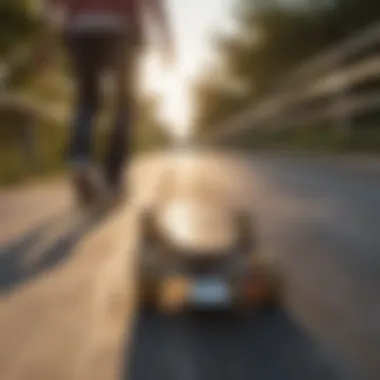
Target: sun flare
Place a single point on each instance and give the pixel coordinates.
(172, 87)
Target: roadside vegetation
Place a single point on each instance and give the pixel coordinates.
(271, 39)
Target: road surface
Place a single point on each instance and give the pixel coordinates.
(67, 307)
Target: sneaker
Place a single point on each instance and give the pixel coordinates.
(116, 194)
(86, 182)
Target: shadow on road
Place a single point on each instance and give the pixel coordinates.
(43, 248)
(225, 348)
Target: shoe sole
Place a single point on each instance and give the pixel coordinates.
(84, 189)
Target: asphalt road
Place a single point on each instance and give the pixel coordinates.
(67, 306)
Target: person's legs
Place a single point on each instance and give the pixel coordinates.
(86, 70)
(120, 144)
(86, 78)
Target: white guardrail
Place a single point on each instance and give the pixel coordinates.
(322, 89)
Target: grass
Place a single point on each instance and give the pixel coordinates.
(363, 139)
(51, 143)
(16, 169)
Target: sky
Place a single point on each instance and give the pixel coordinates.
(193, 22)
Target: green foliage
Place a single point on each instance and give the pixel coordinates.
(273, 38)
(51, 145)
(214, 103)
(312, 138)
(17, 25)
(16, 165)
(20, 33)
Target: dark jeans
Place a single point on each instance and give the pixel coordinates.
(92, 54)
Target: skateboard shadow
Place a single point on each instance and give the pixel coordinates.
(197, 347)
(42, 249)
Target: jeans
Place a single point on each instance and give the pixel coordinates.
(91, 55)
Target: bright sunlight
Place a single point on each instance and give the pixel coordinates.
(172, 87)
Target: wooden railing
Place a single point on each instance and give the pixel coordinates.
(329, 87)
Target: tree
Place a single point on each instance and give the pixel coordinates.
(20, 30)
(273, 38)
(17, 25)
